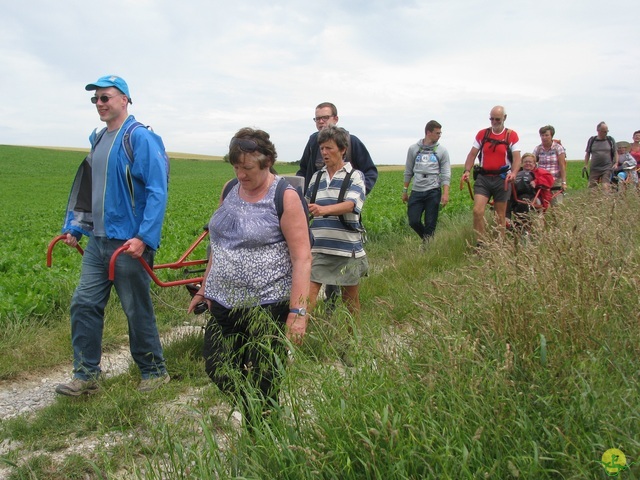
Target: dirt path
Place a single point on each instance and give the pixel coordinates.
(28, 394)
(25, 395)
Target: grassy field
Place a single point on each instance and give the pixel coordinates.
(520, 362)
(36, 185)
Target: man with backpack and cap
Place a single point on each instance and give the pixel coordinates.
(497, 148)
(118, 199)
(601, 150)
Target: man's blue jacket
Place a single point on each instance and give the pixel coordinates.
(135, 195)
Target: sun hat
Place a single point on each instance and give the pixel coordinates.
(110, 81)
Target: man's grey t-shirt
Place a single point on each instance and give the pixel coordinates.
(99, 160)
(601, 155)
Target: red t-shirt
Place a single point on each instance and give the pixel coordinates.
(494, 156)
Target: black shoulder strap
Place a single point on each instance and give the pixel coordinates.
(612, 146)
(344, 186)
(230, 184)
(126, 139)
(590, 144)
(484, 140)
(281, 187)
(341, 195)
(314, 192)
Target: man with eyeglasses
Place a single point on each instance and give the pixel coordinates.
(602, 152)
(499, 154)
(357, 154)
(116, 201)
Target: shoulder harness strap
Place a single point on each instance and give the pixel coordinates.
(126, 139)
(343, 191)
(316, 185)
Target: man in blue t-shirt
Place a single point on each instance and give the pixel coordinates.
(116, 201)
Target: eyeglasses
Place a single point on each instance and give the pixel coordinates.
(102, 98)
(245, 144)
(324, 118)
(495, 119)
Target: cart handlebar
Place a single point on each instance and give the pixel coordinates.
(180, 263)
(53, 243)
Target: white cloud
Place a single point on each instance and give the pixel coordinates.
(198, 71)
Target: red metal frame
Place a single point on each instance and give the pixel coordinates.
(180, 263)
(53, 244)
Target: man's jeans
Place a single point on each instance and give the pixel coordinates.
(89, 302)
(428, 203)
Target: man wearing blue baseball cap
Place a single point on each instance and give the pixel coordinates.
(110, 81)
(118, 199)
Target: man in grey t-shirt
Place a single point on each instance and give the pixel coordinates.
(601, 149)
(429, 166)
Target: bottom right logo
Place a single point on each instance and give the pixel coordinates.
(614, 462)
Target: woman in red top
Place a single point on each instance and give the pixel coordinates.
(634, 148)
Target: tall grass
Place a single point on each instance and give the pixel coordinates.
(519, 361)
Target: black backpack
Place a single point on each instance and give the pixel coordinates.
(611, 145)
(278, 199)
(495, 144)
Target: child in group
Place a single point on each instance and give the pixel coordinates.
(626, 170)
(532, 188)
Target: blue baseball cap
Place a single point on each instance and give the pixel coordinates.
(110, 81)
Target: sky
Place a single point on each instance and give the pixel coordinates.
(198, 71)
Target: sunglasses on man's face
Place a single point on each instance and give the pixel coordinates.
(245, 144)
(102, 98)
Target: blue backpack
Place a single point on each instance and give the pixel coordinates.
(127, 145)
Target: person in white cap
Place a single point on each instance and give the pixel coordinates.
(118, 199)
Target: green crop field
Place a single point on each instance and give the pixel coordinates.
(35, 188)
